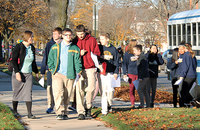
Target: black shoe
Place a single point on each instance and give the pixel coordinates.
(65, 117)
(88, 112)
(30, 116)
(81, 117)
(59, 117)
(151, 105)
(140, 107)
(109, 109)
(16, 115)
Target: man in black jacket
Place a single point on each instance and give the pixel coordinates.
(57, 34)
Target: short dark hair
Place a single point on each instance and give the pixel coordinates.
(88, 31)
(133, 40)
(80, 28)
(26, 35)
(107, 35)
(58, 29)
(67, 30)
(182, 43)
(138, 47)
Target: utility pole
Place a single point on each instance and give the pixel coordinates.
(95, 19)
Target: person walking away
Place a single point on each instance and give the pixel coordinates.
(187, 72)
(64, 63)
(143, 76)
(111, 57)
(154, 60)
(172, 64)
(23, 60)
(57, 34)
(86, 44)
(129, 67)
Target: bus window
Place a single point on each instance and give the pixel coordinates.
(194, 34)
(199, 32)
(184, 30)
(170, 35)
(174, 35)
(179, 33)
(188, 33)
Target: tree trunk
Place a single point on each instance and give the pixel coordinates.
(1, 57)
(58, 13)
(6, 45)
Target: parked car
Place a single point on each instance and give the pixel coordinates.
(165, 57)
(41, 52)
(37, 51)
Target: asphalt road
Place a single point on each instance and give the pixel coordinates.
(39, 60)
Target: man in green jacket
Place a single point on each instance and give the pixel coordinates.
(65, 64)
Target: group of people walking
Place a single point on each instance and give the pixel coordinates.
(142, 67)
(183, 66)
(67, 62)
(70, 62)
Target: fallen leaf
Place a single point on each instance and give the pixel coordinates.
(182, 116)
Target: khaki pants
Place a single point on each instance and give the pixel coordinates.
(50, 100)
(62, 87)
(87, 78)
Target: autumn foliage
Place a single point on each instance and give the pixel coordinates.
(161, 96)
(16, 14)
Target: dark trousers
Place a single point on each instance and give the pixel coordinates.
(186, 86)
(175, 91)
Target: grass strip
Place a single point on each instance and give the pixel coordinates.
(151, 118)
(7, 119)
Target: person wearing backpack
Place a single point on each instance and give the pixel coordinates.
(22, 78)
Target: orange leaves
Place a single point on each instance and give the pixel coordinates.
(10, 28)
(163, 126)
(83, 14)
(161, 96)
(190, 126)
(182, 116)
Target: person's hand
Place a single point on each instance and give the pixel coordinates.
(115, 76)
(140, 80)
(18, 76)
(125, 76)
(83, 52)
(181, 78)
(79, 75)
(101, 68)
(36, 77)
(176, 61)
(42, 75)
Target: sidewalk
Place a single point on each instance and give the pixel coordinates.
(48, 121)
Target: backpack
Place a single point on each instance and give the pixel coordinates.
(9, 61)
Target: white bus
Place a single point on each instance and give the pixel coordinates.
(185, 26)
